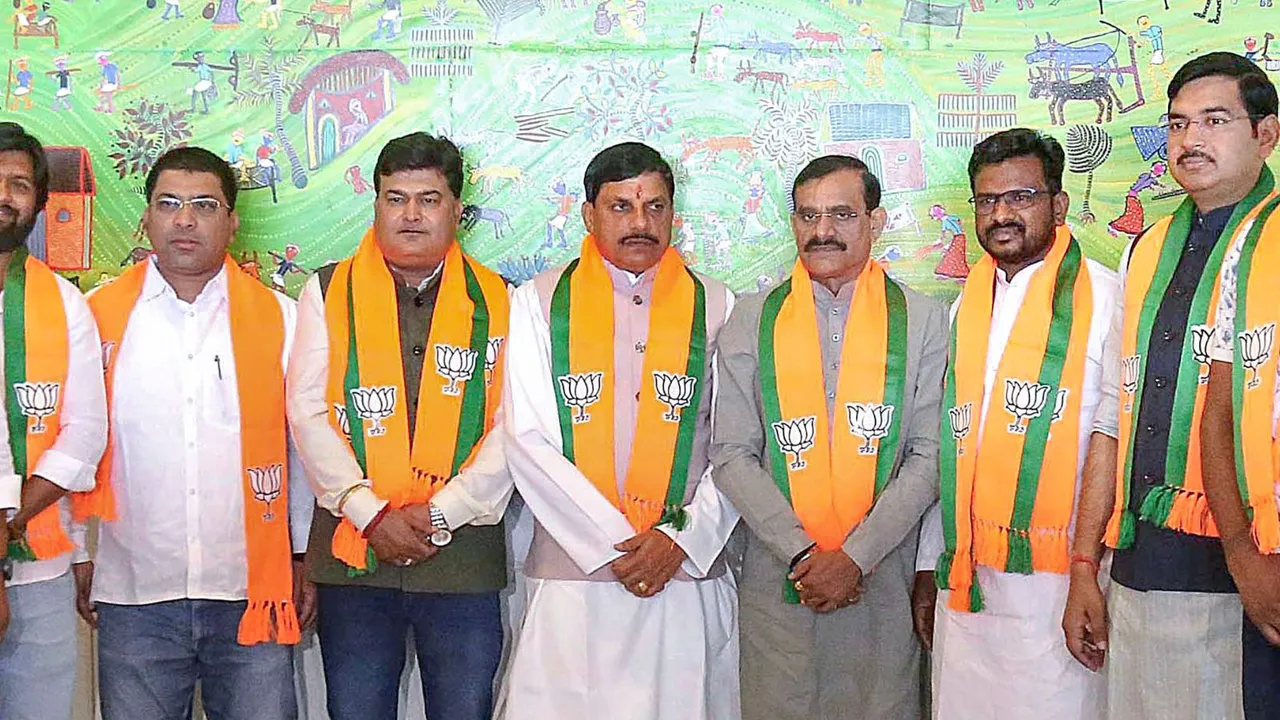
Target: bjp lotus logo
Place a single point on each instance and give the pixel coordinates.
(455, 364)
(37, 400)
(1059, 404)
(1255, 349)
(266, 483)
(340, 412)
(1023, 400)
(1129, 379)
(961, 419)
(675, 391)
(1200, 337)
(491, 354)
(375, 404)
(869, 421)
(795, 437)
(580, 392)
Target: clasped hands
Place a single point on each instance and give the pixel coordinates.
(400, 538)
(651, 559)
(827, 580)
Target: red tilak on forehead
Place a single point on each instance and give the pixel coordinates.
(639, 192)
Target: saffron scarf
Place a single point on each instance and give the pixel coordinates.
(35, 374)
(366, 390)
(672, 383)
(258, 342)
(1008, 495)
(1179, 502)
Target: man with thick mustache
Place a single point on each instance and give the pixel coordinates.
(827, 441)
(50, 443)
(1170, 631)
(1024, 384)
(632, 614)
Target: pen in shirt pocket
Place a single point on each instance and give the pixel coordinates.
(217, 363)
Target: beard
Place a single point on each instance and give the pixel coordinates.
(13, 235)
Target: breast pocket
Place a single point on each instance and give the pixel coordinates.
(220, 401)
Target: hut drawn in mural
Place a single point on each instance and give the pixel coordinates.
(63, 233)
(342, 98)
(879, 134)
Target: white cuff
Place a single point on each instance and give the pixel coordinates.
(10, 492)
(362, 506)
(451, 501)
(65, 471)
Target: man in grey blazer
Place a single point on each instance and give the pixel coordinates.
(831, 504)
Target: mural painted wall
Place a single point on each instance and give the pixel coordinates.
(300, 95)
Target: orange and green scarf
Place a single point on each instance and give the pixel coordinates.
(582, 354)
(1179, 502)
(35, 373)
(832, 477)
(1008, 495)
(258, 342)
(1253, 376)
(366, 389)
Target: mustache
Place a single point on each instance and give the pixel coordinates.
(1012, 225)
(816, 243)
(1194, 154)
(644, 237)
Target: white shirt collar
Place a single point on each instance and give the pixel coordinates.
(425, 281)
(154, 286)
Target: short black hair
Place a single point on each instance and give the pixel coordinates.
(15, 138)
(194, 159)
(1016, 143)
(827, 164)
(420, 151)
(1256, 90)
(623, 162)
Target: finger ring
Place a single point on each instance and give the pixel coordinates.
(799, 586)
(642, 586)
(406, 562)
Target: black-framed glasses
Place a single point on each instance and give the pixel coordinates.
(205, 207)
(1209, 124)
(839, 217)
(1016, 199)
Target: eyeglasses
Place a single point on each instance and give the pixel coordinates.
(839, 217)
(1209, 124)
(1016, 199)
(205, 207)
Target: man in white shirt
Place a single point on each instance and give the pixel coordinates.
(66, 418)
(193, 578)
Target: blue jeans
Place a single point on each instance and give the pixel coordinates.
(150, 657)
(363, 631)
(1261, 675)
(38, 654)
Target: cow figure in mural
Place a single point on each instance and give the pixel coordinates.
(1058, 92)
(1062, 57)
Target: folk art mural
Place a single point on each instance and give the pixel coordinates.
(300, 95)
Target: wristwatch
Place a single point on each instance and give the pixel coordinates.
(441, 535)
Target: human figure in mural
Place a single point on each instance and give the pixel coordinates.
(391, 20)
(206, 88)
(1133, 220)
(875, 57)
(62, 75)
(828, 561)
(628, 586)
(227, 15)
(359, 124)
(235, 155)
(286, 265)
(563, 199)
(752, 226)
(1183, 561)
(269, 18)
(172, 6)
(954, 264)
(109, 85)
(355, 179)
(266, 152)
(420, 549)
(1155, 36)
(57, 405)
(23, 80)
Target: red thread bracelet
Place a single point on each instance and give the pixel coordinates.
(1097, 567)
(368, 529)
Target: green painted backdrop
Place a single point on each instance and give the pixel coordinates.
(738, 94)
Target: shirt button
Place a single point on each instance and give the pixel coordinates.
(639, 347)
(417, 350)
(1148, 479)
(1161, 382)
(637, 300)
(192, 492)
(418, 302)
(1151, 429)
(1192, 248)
(835, 366)
(1179, 291)
(831, 396)
(190, 314)
(835, 337)
(191, 356)
(1167, 336)
(835, 311)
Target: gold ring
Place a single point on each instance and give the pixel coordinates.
(799, 586)
(406, 562)
(642, 586)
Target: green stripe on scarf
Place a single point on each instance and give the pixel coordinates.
(15, 372)
(674, 513)
(560, 355)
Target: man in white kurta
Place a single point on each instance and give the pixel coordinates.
(1009, 659)
(590, 646)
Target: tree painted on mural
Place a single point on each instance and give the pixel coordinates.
(271, 76)
(787, 134)
(624, 98)
(151, 128)
(1088, 146)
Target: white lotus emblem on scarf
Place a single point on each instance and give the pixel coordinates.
(1024, 400)
(1059, 404)
(340, 412)
(375, 404)
(795, 437)
(492, 351)
(580, 392)
(455, 364)
(675, 391)
(1129, 379)
(1200, 337)
(38, 401)
(961, 418)
(266, 483)
(1255, 349)
(869, 421)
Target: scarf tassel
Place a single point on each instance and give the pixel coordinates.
(641, 513)
(965, 596)
(1020, 551)
(1157, 505)
(256, 623)
(47, 540)
(353, 550)
(1266, 525)
(1120, 530)
(1191, 515)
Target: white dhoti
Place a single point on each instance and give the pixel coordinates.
(62, 92)
(1174, 656)
(593, 650)
(21, 91)
(202, 86)
(1010, 661)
